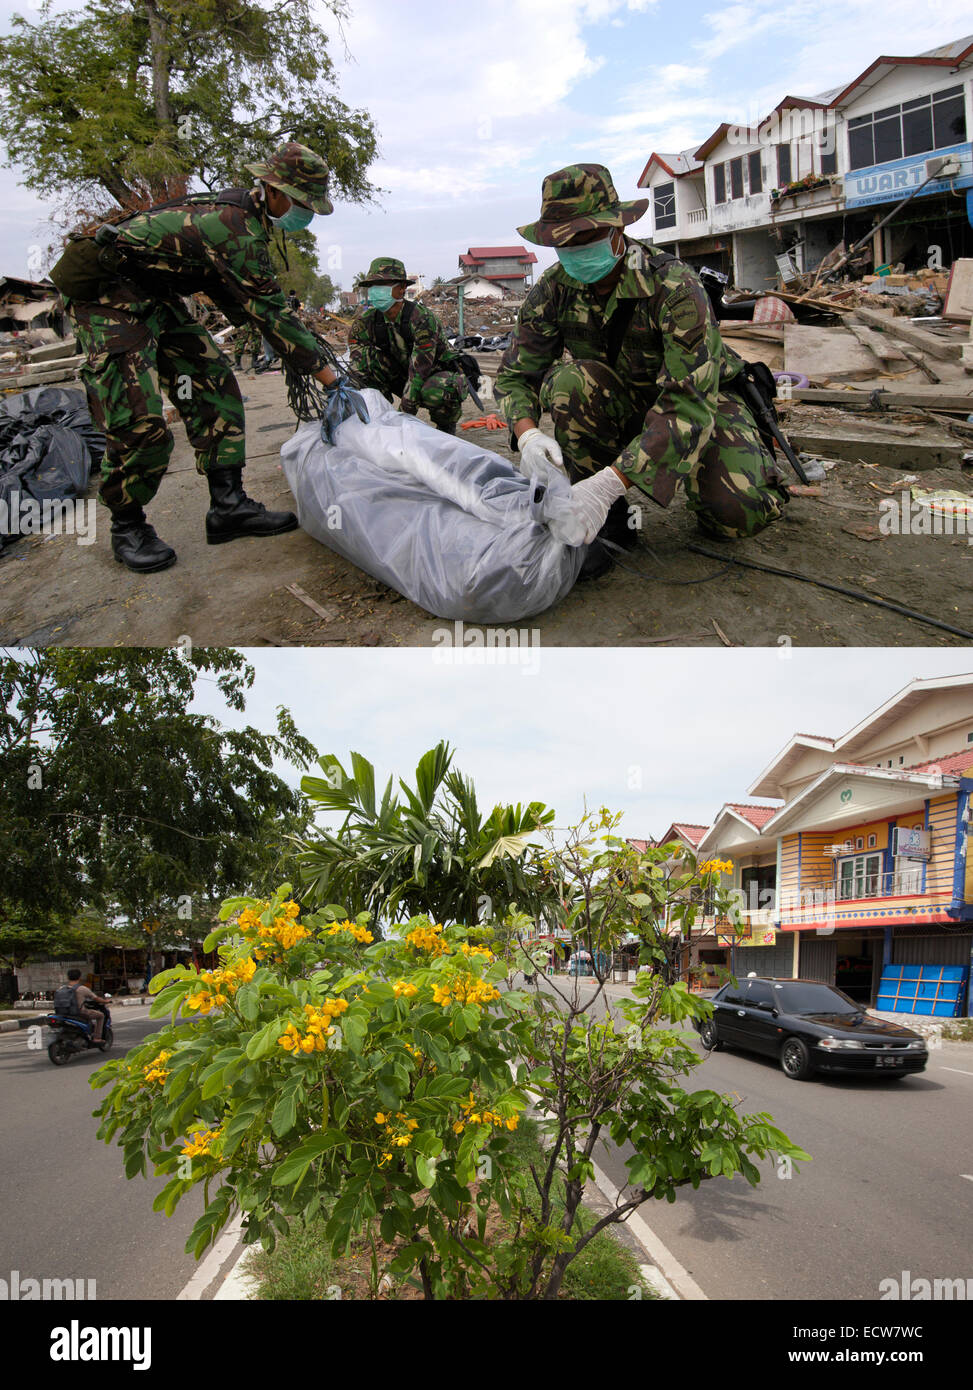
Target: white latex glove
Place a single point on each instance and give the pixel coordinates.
(591, 499)
(538, 452)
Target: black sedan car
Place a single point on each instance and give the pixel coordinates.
(810, 1027)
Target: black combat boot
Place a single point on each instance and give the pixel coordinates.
(234, 514)
(135, 544)
(444, 428)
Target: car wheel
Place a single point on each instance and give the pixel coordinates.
(707, 1036)
(59, 1052)
(795, 1059)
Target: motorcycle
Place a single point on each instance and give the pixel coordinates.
(77, 1035)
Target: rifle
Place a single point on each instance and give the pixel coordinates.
(755, 385)
(748, 387)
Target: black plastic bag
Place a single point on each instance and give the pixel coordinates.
(48, 447)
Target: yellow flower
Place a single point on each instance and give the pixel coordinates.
(380, 1118)
(200, 1141)
(403, 987)
(404, 1140)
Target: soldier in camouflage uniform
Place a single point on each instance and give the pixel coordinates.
(647, 386)
(246, 340)
(123, 292)
(400, 349)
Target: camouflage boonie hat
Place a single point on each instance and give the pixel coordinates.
(386, 270)
(580, 198)
(298, 172)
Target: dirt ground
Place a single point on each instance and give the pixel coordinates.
(55, 591)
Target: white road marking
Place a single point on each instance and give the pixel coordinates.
(967, 1176)
(679, 1278)
(959, 1070)
(214, 1262)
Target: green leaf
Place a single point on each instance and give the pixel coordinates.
(425, 1170)
(296, 1164)
(264, 1040)
(284, 1116)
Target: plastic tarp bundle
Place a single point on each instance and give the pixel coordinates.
(453, 527)
(48, 446)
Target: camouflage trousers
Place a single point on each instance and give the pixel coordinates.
(734, 487)
(441, 394)
(136, 349)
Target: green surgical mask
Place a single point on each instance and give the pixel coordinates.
(588, 264)
(380, 297)
(295, 219)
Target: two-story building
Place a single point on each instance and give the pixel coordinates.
(772, 198)
(861, 877)
(510, 267)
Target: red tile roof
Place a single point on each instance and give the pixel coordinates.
(693, 833)
(641, 845)
(757, 815)
(952, 764)
(483, 253)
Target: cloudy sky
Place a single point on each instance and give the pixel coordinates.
(662, 736)
(476, 102)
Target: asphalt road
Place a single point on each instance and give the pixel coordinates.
(885, 1193)
(69, 1212)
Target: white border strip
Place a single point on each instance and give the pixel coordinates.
(214, 1262)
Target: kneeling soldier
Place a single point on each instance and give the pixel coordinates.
(399, 347)
(649, 387)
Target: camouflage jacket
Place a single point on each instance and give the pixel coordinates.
(411, 364)
(671, 353)
(220, 249)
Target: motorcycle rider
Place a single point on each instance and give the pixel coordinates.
(82, 994)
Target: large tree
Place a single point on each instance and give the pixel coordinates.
(138, 99)
(297, 269)
(114, 794)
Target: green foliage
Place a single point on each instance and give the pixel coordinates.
(358, 1081)
(429, 850)
(143, 96)
(299, 271)
(115, 795)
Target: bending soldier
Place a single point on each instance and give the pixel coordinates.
(647, 397)
(399, 348)
(122, 290)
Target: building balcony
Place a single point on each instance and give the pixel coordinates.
(697, 217)
(829, 189)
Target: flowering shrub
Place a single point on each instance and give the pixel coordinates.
(320, 1069)
(379, 1084)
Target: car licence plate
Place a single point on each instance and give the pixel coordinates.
(888, 1061)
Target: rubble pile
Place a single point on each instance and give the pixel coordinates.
(36, 357)
(491, 317)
